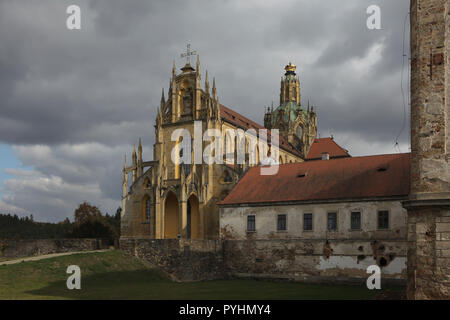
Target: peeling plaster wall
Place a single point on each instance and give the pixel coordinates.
(396, 267)
(319, 254)
(308, 260)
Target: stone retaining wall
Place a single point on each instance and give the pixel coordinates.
(182, 260)
(299, 260)
(10, 248)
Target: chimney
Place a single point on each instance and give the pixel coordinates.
(325, 156)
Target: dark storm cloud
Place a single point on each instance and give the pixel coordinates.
(73, 102)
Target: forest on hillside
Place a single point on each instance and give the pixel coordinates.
(89, 222)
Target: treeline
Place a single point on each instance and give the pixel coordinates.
(13, 227)
(89, 222)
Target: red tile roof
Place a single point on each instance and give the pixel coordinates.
(336, 179)
(328, 145)
(239, 120)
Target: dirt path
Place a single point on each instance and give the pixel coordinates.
(47, 256)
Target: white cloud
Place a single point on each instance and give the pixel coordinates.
(63, 177)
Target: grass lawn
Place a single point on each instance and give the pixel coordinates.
(114, 275)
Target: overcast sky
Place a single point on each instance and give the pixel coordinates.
(73, 102)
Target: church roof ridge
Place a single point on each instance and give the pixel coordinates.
(239, 120)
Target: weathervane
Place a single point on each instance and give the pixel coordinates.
(188, 54)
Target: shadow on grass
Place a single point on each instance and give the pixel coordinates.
(150, 284)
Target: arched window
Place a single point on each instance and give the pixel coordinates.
(147, 183)
(226, 177)
(179, 155)
(146, 208)
(299, 131)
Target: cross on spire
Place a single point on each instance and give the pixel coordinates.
(188, 54)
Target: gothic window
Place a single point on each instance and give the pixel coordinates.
(187, 102)
(146, 209)
(299, 131)
(229, 143)
(203, 103)
(178, 161)
(281, 126)
(213, 140)
(226, 177)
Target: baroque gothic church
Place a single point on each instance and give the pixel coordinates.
(166, 200)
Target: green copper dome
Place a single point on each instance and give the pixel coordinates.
(289, 111)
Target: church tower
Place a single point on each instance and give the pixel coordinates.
(174, 197)
(290, 86)
(298, 125)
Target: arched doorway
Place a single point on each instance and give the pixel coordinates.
(171, 212)
(192, 218)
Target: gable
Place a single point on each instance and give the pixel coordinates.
(326, 145)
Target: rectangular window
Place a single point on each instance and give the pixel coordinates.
(383, 219)
(307, 222)
(355, 222)
(281, 225)
(332, 221)
(251, 223)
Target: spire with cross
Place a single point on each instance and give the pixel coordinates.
(188, 54)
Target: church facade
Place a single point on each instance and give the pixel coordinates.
(168, 199)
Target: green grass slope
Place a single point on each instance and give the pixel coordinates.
(114, 275)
